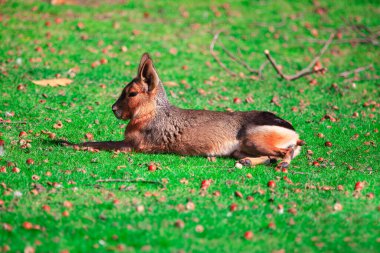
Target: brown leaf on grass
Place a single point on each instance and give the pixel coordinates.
(7, 227)
(173, 51)
(62, 2)
(38, 187)
(170, 84)
(53, 82)
(89, 136)
(276, 100)
(326, 188)
(29, 249)
(58, 125)
(184, 181)
(329, 117)
(73, 71)
(338, 207)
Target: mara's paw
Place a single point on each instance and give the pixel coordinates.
(245, 162)
(301, 143)
(253, 161)
(282, 165)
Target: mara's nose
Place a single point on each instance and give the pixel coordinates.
(115, 108)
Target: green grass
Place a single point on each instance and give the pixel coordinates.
(95, 223)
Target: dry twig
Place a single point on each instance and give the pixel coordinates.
(367, 36)
(238, 60)
(233, 57)
(212, 45)
(301, 173)
(345, 74)
(363, 34)
(12, 122)
(357, 79)
(278, 25)
(342, 41)
(261, 69)
(306, 71)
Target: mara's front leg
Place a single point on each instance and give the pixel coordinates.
(108, 145)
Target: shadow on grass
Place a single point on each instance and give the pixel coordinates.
(59, 143)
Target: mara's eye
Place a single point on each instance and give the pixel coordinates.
(133, 94)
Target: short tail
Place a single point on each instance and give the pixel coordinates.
(300, 142)
(297, 148)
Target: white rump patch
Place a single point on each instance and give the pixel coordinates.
(291, 136)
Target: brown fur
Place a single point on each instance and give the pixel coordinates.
(156, 126)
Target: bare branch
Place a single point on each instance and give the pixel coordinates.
(238, 60)
(357, 28)
(13, 122)
(301, 173)
(274, 65)
(306, 71)
(342, 41)
(362, 34)
(345, 74)
(233, 57)
(280, 24)
(323, 50)
(261, 69)
(357, 79)
(212, 45)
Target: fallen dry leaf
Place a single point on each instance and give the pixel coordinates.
(53, 82)
(338, 207)
(276, 100)
(170, 84)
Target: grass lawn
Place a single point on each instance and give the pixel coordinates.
(56, 205)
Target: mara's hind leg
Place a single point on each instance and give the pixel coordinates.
(293, 150)
(287, 158)
(253, 161)
(265, 142)
(246, 160)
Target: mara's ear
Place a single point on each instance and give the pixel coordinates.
(147, 73)
(143, 59)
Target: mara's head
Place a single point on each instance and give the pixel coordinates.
(139, 97)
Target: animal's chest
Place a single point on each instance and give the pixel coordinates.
(155, 139)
